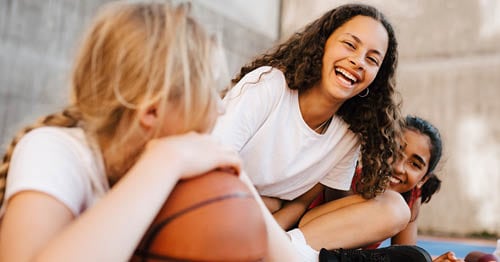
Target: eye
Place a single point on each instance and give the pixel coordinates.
(416, 165)
(349, 44)
(373, 60)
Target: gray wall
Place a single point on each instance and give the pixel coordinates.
(38, 40)
(449, 73)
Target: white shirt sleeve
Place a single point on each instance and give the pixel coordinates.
(248, 104)
(46, 161)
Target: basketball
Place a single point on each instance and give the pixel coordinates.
(212, 217)
(478, 256)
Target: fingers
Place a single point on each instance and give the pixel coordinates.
(447, 257)
(227, 159)
(204, 153)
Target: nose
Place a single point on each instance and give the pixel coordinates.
(399, 166)
(356, 60)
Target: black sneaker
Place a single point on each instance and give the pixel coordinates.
(395, 253)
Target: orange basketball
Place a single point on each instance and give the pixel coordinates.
(212, 217)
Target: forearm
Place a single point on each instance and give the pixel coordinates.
(273, 204)
(111, 230)
(288, 216)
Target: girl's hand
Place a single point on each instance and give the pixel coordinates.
(447, 257)
(192, 154)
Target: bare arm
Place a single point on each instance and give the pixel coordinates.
(39, 227)
(273, 204)
(288, 216)
(408, 236)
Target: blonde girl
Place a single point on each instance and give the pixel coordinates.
(85, 183)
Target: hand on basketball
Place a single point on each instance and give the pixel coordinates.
(192, 154)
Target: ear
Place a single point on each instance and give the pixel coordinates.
(424, 179)
(148, 117)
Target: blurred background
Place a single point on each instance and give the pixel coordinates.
(449, 74)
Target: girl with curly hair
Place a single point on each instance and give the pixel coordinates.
(301, 114)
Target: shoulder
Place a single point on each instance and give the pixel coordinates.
(52, 146)
(56, 161)
(265, 83)
(52, 138)
(264, 75)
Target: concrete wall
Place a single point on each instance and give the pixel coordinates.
(449, 73)
(38, 40)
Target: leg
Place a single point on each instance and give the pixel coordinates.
(353, 222)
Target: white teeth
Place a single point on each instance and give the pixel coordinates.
(345, 81)
(394, 180)
(347, 74)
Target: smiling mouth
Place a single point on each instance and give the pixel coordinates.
(395, 180)
(345, 76)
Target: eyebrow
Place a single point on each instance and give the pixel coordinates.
(419, 159)
(360, 42)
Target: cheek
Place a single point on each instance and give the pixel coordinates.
(414, 178)
(371, 74)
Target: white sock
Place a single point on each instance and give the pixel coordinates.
(497, 251)
(307, 253)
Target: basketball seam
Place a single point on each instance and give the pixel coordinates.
(155, 230)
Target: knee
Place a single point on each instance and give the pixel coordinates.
(396, 210)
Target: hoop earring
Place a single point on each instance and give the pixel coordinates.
(367, 92)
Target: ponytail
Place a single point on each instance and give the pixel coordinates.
(431, 186)
(69, 117)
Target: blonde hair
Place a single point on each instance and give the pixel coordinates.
(135, 55)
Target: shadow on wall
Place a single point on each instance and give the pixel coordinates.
(479, 167)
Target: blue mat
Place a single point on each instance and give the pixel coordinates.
(438, 247)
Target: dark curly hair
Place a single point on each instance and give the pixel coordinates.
(423, 127)
(375, 118)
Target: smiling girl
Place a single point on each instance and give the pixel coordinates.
(413, 177)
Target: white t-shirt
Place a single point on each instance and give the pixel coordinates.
(282, 155)
(59, 162)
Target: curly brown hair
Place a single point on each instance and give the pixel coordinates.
(375, 118)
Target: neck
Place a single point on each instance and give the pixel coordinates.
(316, 108)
